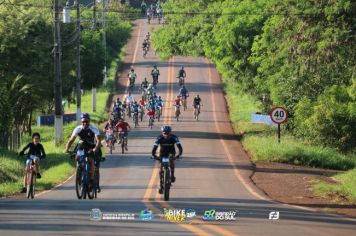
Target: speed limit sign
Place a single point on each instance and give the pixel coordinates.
(279, 115)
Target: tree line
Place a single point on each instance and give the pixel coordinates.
(296, 53)
(27, 63)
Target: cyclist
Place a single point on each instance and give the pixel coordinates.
(149, 91)
(159, 104)
(148, 36)
(166, 142)
(142, 102)
(136, 108)
(36, 153)
(116, 104)
(132, 76)
(117, 111)
(144, 84)
(183, 92)
(155, 73)
(197, 103)
(123, 128)
(90, 135)
(109, 131)
(177, 101)
(145, 45)
(181, 73)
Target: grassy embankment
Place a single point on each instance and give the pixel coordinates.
(57, 167)
(261, 142)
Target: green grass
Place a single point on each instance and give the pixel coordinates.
(57, 167)
(260, 141)
(54, 169)
(346, 188)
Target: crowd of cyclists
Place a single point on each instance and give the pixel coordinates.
(116, 129)
(152, 11)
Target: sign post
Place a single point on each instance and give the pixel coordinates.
(279, 115)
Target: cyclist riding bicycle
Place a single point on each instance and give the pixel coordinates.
(36, 153)
(177, 101)
(90, 136)
(155, 74)
(183, 92)
(136, 108)
(144, 84)
(123, 128)
(181, 73)
(197, 103)
(109, 131)
(132, 76)
(166, 141)
(149, 91)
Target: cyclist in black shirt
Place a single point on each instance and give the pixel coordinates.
(166, 142)
(36, 153)
(90, 135)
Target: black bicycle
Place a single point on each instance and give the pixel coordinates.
(165, 177)
(31, 180)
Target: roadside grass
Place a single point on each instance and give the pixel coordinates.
(346, 188)
(57, 167)
(261, 142)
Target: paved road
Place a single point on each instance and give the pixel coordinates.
(214, 174)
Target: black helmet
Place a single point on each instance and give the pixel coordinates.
(166, 129)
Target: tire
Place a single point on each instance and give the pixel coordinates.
(78, 183)
(141, 116)
(96, 182)
(166, 183)
(123, 145)
(111, 144)
(30, 191)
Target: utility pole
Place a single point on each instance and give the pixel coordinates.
(94, 28)
(78, 82)
(104, 38)
(58, 121)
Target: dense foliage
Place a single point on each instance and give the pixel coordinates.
(26, 57)
(300, 54)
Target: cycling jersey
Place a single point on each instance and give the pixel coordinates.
(142, 102)
(197, 101)
(132, 74)
(122, 126)
(183, 93)
(182, 73)
(167, 145)
(35, 150)
(177, 101)
(129, 99)
(155, 72)
(144, 84)
(135, 108)
(87, 135)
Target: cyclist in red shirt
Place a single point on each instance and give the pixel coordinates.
(123, 128)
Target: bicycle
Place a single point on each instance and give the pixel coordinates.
(181, 81)
(158, 113)
(82, 186)
(31, 179)
(196, 112)
(123, 142)
(135, 119)
(142, 112)
(150, 121)
(184, 103)
(112, 140)
(145, 50)
(165, 177)
(132, 84)
(177, 112)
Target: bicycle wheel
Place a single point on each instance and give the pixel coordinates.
(122, 145)
(30, 191)
(96, 182)
(79, 188)
(167, 182)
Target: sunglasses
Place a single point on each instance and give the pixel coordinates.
(166, 133)
(85, 121)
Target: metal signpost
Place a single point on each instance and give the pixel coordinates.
(279, 115)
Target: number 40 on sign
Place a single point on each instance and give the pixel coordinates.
(279, 115)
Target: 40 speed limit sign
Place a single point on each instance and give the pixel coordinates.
(279, 115)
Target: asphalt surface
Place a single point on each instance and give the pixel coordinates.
(213, 174)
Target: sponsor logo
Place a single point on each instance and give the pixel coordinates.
(274, 215)
(96, 214)
(146, 214)
(226, 215)
(220, 215)
(209, 215)
(191, 213)
(175, 215)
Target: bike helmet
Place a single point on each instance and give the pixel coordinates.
(155, 66)
(166, 129)
(85, 116)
